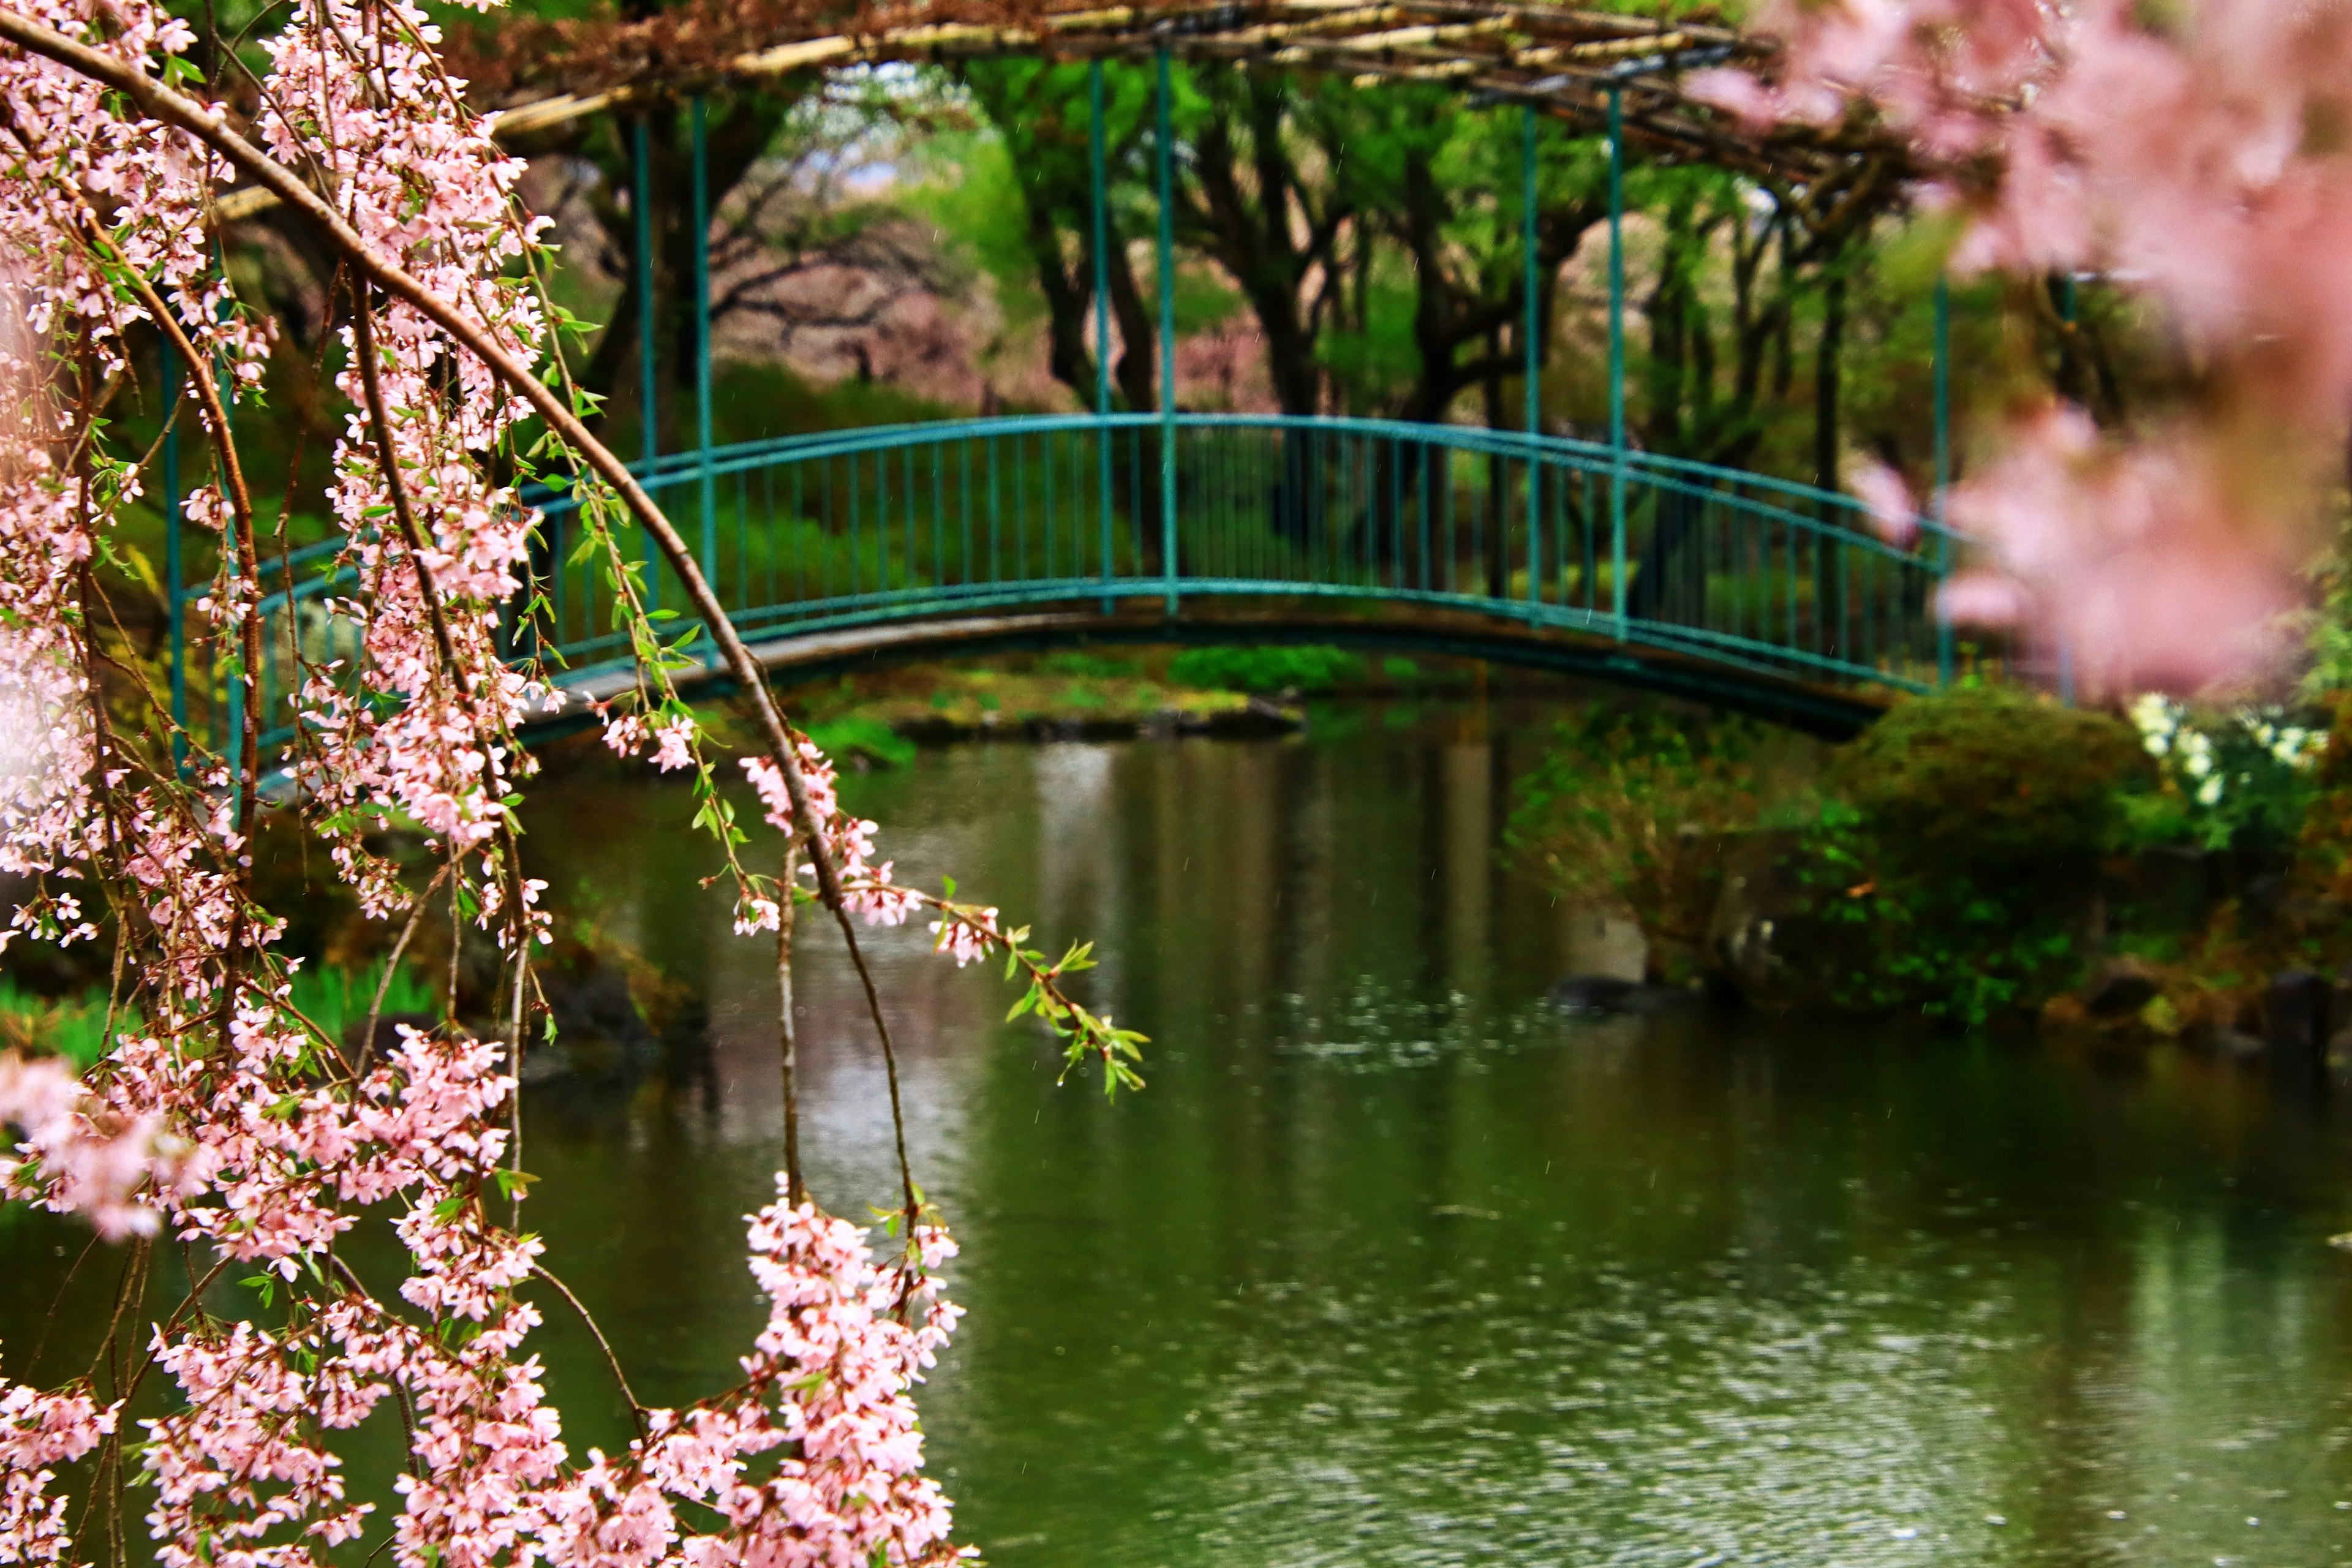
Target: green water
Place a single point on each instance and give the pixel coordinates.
(1391, 1266)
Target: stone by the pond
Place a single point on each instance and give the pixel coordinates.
(2297, 1022)
(1606, 996)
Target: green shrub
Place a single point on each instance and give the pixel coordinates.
(336, 1000)
(1950, 867)
(1990, 781)
(1265, 669)
(1089, 665)
(1622, 810)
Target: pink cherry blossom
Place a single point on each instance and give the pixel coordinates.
(2172, 151)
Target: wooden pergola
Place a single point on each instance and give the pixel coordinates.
(1567, 65)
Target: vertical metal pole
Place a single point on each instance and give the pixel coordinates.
(175, 605)
(1943, 468)
(702, 344)
(1531, 347)
(1099, 178)
(1167, 160)
(643, 200)
(648, 403)
(1617, 355)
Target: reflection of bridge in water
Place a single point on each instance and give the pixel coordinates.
(1596, 557)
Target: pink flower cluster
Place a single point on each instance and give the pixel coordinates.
(38, 1432)
(2174, 151)
(76, 1158)
(426, 187)
(866, 888)
(827, 1384)
(219, 1115)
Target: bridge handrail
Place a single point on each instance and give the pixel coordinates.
(1586, 456)
(1685, 476)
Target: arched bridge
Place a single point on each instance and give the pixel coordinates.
(835, 548)
(843, 546)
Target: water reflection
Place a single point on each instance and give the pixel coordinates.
(1389, 1265)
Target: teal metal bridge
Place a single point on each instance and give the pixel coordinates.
(1173, 525)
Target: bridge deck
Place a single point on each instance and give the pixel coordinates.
(1816, 707)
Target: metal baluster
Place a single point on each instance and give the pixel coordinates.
(702, 342)
(1165, 154)
(1617, 355)
(1098, 181)
(995, 521)
(1531, 332)
(767, 525)
(1943, 373)
(856, 545)
(1021, 506)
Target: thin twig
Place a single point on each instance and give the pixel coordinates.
(636, 1411)
(786, 1033)
(390, 968)
(388, 462)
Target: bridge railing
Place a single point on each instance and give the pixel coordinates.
(845, 528)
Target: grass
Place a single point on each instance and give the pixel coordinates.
(75, 1027)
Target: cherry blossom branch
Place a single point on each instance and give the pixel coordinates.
(388, 462)
(967, 932)
(161, 102)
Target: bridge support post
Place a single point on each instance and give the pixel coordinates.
(702, 342)
(648, 398)
(1098, 177)
(1617, 357)
(1167, 171)
(1531, 349)
(176, 601)
(1943, 378)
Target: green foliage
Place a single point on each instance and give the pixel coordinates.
(967, 184)
(1960, 946)
(1946, 873)
(1989, 779)
(1262, 669)
(1620, 810)
(1088, 666)
(75, 1027)
(868, 741)
(336, 1000)
(2241, 778)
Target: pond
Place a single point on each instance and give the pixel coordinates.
(1390, 1264)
